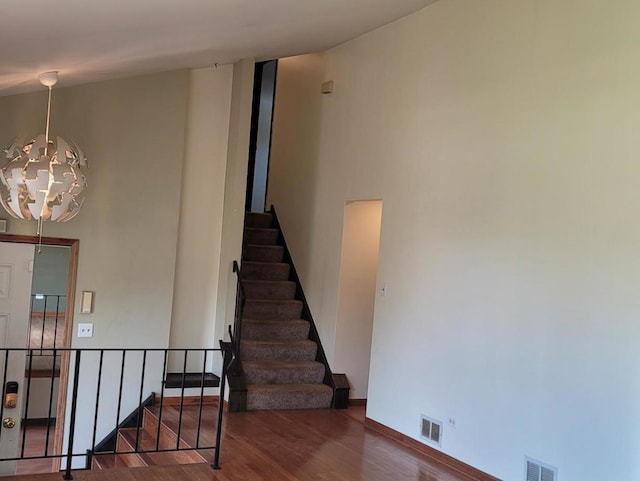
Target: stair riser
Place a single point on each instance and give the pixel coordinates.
(265, 272)
(276, 331)
(303, 352)
(264, 253)
(306, 375)
(255, 309)
(258, 220)
(286, 400)
(261, 236)
(270, 290)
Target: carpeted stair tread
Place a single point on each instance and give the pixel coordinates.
(288, 396)
(259, 350)
(275, 329)
(283, 372)
(272, 309)
(258, 219)
(274, 290)
(265, 271)
(260, 253)
(260, 236)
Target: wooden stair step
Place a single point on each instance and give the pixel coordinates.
(147, 444)
(112, 461)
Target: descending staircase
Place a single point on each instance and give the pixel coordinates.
(148, 434)
(283, 366)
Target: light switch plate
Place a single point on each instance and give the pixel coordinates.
(85, 329)
(86, 302)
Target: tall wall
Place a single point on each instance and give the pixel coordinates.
(234, 192)
(502, 138)
(201, 209)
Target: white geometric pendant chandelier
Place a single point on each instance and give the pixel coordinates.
(44, 178)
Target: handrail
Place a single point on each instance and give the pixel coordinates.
(236, 335)
(306, 310)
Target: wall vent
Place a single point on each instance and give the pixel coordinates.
(431, 430)
(537, 471)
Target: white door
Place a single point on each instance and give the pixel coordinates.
(16, 265)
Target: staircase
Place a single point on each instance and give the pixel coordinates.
(147, 438)
(281, 360)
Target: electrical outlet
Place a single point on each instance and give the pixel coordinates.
(451, 422)
(85, 329)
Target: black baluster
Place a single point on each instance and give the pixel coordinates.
(115, 449)
(72, 421)
(164, 375)
(204, 366)
(26, 407)
(184, 371)
(95, 415)
(139, 423)
(53, 376)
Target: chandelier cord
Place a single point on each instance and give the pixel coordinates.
(46, 132)
(46, 152)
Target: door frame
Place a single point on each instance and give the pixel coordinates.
(74, 245)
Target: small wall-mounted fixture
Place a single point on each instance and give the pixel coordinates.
(86, 302)
(3, 225)
(327, 87)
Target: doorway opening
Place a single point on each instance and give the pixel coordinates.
(264, 90)
(42, 322)
(357, 293)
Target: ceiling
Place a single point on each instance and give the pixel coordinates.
(92, 40)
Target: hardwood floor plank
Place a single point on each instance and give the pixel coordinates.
(315, 445)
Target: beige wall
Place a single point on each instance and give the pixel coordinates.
(502, 138)
(133, 133)
(294, 171)
(357, 293)
(234, 192)
(201, 207)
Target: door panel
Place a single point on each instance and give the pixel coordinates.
(16, 262)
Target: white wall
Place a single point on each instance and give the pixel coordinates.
(234, 193)
(502, 138)
(293, 186)
(201, 208)
(357, 293)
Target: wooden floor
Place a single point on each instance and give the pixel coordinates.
(34, 446)
(322, 445)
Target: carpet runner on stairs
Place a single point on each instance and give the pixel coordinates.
(278, 359)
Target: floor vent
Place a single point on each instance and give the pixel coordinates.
(431, 430)
(537, 471)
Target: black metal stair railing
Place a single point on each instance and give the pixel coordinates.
(236, 334)
(105, 383)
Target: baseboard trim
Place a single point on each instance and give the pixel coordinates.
(357, 402)
(471, 473)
